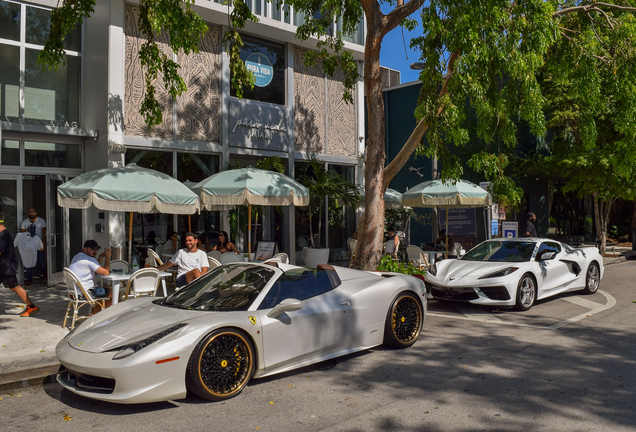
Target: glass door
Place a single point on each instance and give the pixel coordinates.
(57, 242)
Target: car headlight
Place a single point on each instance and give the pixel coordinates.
(501, 273)
(433, 270)
(131, 348)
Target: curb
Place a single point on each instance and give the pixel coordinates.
(28, 378)
(609, 261)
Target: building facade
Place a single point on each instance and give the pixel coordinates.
(56, 125)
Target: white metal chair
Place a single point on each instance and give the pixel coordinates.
(352, 244)
(417, 257)
(273, 262)
(143, 281)
(120, 265)
(282, 257)
(230, 257)
(154, 257)
(215, 254)
(213, 263)
(76, 291)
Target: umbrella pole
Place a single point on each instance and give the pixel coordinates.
(189, 224)
(447, 236)
(130, 239)
(249, 231)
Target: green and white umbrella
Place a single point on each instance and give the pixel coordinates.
(438, 193)
(128, 189)
(247, 186)
(392, 198)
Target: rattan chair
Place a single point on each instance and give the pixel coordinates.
(143, 281)
(391, 249)
(76, 291)
(213, 263)
(120, 265)
(154, 257)
(352, 244)
(230, 257)
(417, 257)
(282, 257)
(215, 254)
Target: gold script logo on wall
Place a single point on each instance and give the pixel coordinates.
(260, 130)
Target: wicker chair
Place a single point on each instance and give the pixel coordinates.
(282, 257)
(76, 291)
(230, 257)
(417, 257)
(215, 254)
(143, 281)
(213, 263)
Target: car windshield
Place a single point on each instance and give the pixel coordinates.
(227, 288)
(503, 251)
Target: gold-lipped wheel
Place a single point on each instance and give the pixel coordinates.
(404, 321)
(221, 365)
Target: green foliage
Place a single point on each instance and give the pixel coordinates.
(388, 264)
(64, 19)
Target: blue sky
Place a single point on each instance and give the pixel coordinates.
(392, 54)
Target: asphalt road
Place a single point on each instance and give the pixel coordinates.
(568, 364)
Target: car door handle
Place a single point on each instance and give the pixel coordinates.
(345, 302)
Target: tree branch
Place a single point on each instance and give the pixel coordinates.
(393, 18)
(593, 6)
(411, 144)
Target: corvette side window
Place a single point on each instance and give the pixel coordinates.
(299, 284)
(548, 247)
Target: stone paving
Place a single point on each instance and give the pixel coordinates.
(29, 343)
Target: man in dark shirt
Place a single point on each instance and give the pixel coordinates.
(531, 231)
(9, 269)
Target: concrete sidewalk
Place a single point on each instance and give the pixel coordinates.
(27, 345)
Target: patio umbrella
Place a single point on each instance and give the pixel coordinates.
(128, 189)
(392, 198)
(228, 189)
(436, 193)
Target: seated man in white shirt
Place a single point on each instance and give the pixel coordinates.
(192, 262)
(84, 264)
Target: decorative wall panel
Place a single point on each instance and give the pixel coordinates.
(309, 106)
(341, 121)
(136, 84)
(198, 109)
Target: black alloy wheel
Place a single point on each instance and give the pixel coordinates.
(404, 321)
(221, 365)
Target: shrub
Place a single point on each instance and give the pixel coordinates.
(387, 264)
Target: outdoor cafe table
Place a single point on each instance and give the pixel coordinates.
(117, 278)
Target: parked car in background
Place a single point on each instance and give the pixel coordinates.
(516, 272)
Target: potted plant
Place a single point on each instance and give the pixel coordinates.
(325, 188)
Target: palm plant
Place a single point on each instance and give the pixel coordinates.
(323, 184)
(237, 217)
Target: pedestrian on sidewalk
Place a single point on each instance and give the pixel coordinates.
(84, 266)
(28, 246)
(35, 226)
(9, 269)
(531, 230)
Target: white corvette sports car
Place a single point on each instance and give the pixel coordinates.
(239, 321)
(516, 272)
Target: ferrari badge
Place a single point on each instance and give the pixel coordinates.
(253, 320)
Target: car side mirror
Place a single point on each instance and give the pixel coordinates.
(546, 256)
(287, 305)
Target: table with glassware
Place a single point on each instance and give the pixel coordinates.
(117, 278)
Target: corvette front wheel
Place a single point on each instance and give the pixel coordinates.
(404, 321)
(221, 365)
(526, 293)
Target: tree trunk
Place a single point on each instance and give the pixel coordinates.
(601, 223)
(371, 225)
(633, 226)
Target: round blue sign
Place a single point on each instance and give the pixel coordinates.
(261, 67)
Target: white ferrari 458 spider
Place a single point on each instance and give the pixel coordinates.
(239, 321)
(516, 272)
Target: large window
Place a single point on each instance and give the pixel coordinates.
(267, 61)
(157, 160)
(43, 96)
